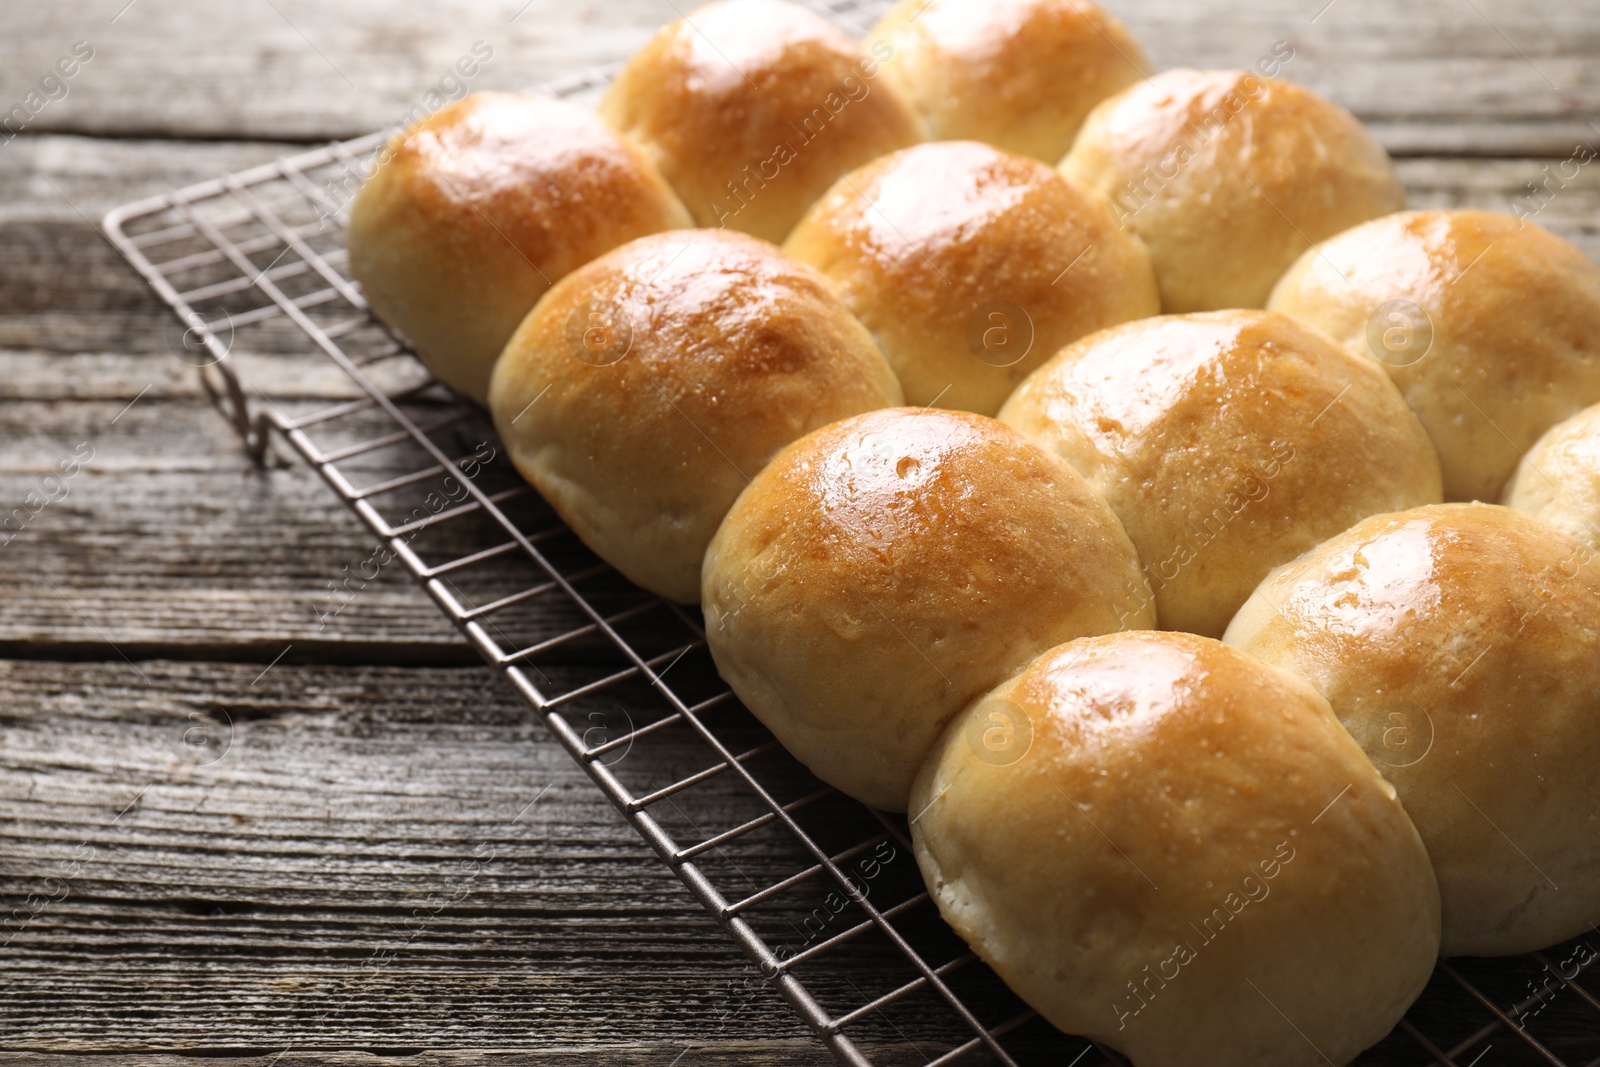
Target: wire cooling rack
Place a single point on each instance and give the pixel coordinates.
(819, 892)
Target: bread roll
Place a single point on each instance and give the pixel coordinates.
(1018, 74)
(1460, 645)
(753, 108)
(1172, 849)
(1489, 325)
(649, 387)
(1227, 443)
(883, 571)
(1229, 177)
(1559, 481)
(474, 212)
(972, 266)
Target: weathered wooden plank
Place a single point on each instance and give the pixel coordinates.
(233, 910)
(353, 862)
(375, 858)
(171, 541)
(693, 1053)
(702, 1053)
(64, 289)
(1490, 77)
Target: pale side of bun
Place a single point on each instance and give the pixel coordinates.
(1228, 443)
(473, 213)
(1559, 480)
(1021, 75)
(885, 570)
(650, 386)
(972, 266)
(1170, 848)
(753, 108)
(1460, 645)
(1489, 325)
(1229, 177)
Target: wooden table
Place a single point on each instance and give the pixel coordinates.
(214, 910)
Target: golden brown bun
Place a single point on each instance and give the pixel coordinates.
(1170, 848)
(972, 266)
(648, 388)
(1228, 177)
(1559, 481)
(1460, 645)
(753, 108)
(1490, 327)
(1227, 443)
(885, 570)
(473, 213)
(1018, 74)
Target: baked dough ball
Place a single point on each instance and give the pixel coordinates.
(1172, 849)
(1018, 74)
(1460, 645)
(1228, 176)
(753, 108)
(885, 570)
(474, 212)
(972, 266)
(649, 387)
(1559, 481)
(1228, 443)
(1489, 325)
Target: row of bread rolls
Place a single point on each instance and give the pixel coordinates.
(941, 612)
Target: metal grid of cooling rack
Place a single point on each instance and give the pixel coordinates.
(797, 875)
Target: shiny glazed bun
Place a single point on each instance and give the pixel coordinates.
(1227, 443)
(649, 387)
(1489, 325)
(473, 213)
(1559, 481)
(1170, 848)
(1018, 74)
(753, 108)
(972, 266)
(885, 570)
(1460, 645)
(1228, 176)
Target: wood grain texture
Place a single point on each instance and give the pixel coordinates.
(368, 858)
(1477, 77)
(317, 893)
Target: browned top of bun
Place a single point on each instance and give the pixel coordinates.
(474, 212)
(1229, 177)
(917, 534)
(926, 240)
(1507, 330)
(1228, 443)
(1460, 645)
(1110, 801)
(649, 386)
(752, 108)
(1019, 74)
(541, 176)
